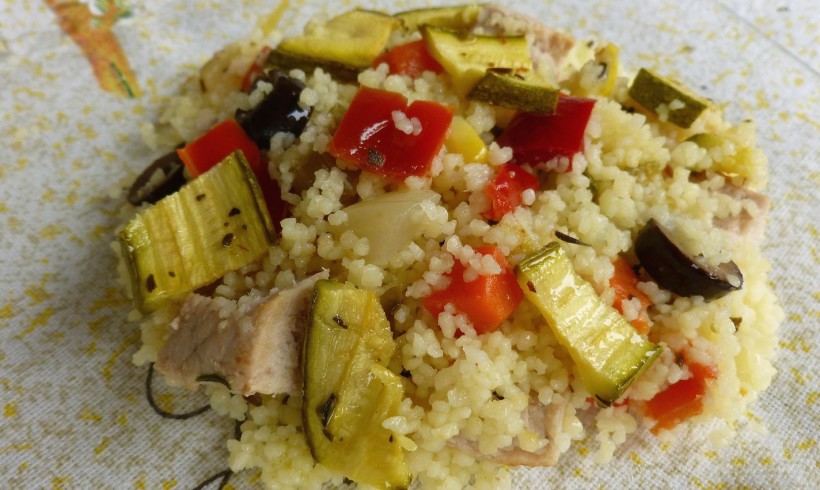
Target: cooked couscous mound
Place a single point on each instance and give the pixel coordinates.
(479, 401)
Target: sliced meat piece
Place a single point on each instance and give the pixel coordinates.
(549, 46)
(255, 347)
(744, 225)
(544, 420)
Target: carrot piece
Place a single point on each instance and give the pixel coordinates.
(680, 400)
(487, 300)
(625, 284)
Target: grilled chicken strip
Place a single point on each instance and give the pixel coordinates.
(255, 348)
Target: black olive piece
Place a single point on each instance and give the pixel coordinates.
(279, 111)
(676, 271)
(143, 191)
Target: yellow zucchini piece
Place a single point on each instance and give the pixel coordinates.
(598, 75)
(707, 141)
(459, 17)
(342, 46)
(348, 391)
(464, 140)
(608, 60)
(607, 351)
(666, 97)
(466, 56)
(747, 162)
(216, 223)
(500, 88)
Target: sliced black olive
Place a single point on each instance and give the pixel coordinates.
(279, 111)
(145, 190)
(680, 273)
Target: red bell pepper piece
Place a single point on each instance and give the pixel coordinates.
(487, 300)
(256, 69)
(368, 137)
(680, 400)
(505, 190)
(411, 59)
(625, 284)
(219, 142)
(537, 138)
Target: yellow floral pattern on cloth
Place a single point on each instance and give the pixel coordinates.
(74, 413)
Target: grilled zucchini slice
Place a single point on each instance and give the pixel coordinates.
(343, 46)
(455, 17)
(607, 351)
(216, 223)
(501, 88)
(653, 92)
(466, 56)
(348, 391)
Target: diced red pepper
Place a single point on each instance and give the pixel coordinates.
(505, 190)
(625, 284)
(367, 135)
(487, 300)
(256, 69)
(680, 400)
(220, 141)
(537, 138)
(411, 59)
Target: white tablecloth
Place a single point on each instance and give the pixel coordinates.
(73, 407)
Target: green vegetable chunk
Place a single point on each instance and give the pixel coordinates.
(467, 56)
(707, 141)
(499, 87)
(343, 46)
(215, 224)
(607, 351)
(348, 391)
(455, 17)
(653, 92)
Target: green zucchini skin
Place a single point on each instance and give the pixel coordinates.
(216, 223)
(607, 351)
(348, 390)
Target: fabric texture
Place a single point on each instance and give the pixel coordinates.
(74, 414)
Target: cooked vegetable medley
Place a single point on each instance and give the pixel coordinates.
(433, 246)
